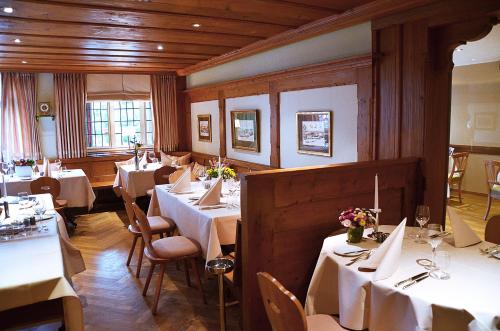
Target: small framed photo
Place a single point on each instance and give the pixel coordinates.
(245, 130)
(485, 121)
(205, 128)
(314, 132)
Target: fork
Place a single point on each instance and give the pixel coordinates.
(363, 256)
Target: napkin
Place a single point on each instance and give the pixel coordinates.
(463, 235)
(212, 195)
(46, 168)
(385, 260)
(183, 184)
(143, 161)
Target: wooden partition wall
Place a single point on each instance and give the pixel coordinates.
(287, 213)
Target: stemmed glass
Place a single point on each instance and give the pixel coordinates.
(58, 164)
(433, 238)
(422, 216)
(443, 260)
(233, 188)
(5, 168)
(23, 199)
(152, 157)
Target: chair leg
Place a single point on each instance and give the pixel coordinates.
(186, 272)
(488, 208)
(460, 191)
(139, 262)
(197, 274)
(161, 235)
(148, 280)
(134, 242)
(158, 288)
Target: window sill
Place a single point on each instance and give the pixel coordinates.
(103, 152)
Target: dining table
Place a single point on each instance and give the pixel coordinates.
(75, 186)
(468, 300)
(136, 182)
(210, 226)
(37, 265)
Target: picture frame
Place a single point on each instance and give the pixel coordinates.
(245, 130)
(485, 121)
(315, 132)
(205, 128)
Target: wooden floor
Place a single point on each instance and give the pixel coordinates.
(472, 210)
(111, 295)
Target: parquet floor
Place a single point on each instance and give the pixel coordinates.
(111, 294)
(472, 210)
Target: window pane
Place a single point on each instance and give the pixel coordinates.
(96, 125)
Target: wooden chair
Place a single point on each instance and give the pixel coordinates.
(457, 173)
(492, 168)
(285, 311)
(50, 185)
(159, 225)
(162, 251)
(492, 230)
(161, 176)
(233, 278)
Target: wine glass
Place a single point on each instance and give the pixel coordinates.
(152, 157)
(23, 199)
(443, 261)
(39, 210)
(422, 216)
(434, 239)
(58, 164)
(5, 168)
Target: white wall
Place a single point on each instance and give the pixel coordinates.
(46, 126)
(200, 108)
(351, 41)
(342, 101)
(261, 103)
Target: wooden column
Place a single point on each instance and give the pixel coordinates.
(222, 123)
(274, 103)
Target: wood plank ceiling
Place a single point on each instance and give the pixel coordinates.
(143, 36)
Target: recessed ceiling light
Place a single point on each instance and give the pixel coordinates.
(473, 59)
(159, 47)
(8, 10)
(24, 62)
(17, 41)
(196, 25)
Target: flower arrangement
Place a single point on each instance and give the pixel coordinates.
(222, 168)
(357, 217)
(137, 145)
(24, 162)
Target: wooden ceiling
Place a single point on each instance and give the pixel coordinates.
(124, 36)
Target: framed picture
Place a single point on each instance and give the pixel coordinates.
(314, 132)
(485, 121)
(245, 130)
(205, 128)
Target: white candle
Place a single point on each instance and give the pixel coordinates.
(376, 192)
(218, 164)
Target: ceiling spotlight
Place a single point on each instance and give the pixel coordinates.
(196, 25)
(8, 10)
(159, 47)
(459, 49)
(17, 41)
(24, 62)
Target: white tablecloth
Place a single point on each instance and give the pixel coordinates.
(136, 182)
(474, 286)
(211, 228)
(37, 269)
(75, 187)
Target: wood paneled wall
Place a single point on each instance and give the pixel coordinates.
(355, 70)
(287, 213)
(412, 84)
(241, 167)
(99, 169)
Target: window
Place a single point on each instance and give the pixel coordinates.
(112, 123)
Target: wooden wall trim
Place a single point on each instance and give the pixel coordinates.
(360, 14)
(274, 102)
(486, 150)
(238, 165)
(222, 124)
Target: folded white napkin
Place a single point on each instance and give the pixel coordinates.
(385, 260)
(46, 168)
(143, 161)
(183, 184)
(463, 235)
(212, 195)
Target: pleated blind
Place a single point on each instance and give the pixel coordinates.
(118, 87)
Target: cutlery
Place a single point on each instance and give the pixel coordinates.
(440, 234)
(363, 256)
(212, 207)
(490, 249)
(359, 251)
(410, 279)
(413, 282)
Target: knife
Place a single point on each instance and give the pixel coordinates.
(358, 251)
(410, 279)
(415, 281)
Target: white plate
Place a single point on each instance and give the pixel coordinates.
(349, 251)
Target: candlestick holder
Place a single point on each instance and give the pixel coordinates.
(376, 233)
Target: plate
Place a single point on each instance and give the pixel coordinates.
(349, 251)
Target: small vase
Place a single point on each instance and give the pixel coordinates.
(354, 235)
(136, 162)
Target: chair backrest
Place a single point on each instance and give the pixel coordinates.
(161, 175)
(283, 309)
(127, 201)
(145, 228)
(459, 164)
(45, 185)
(492, 168)
(492, 230)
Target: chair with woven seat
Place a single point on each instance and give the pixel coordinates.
(159, 225)
(285, 312)
(161, 176)
(492, 168)
(50, 185)
(164, 250)
(457, 173)
(492, 230)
